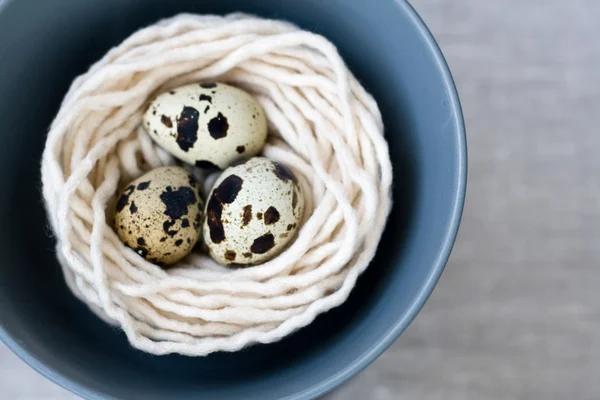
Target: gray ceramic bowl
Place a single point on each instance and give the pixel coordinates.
(45, 44)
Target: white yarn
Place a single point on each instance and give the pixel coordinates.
(322, 123)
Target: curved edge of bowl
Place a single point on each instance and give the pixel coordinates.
(53, 376)
(25, 355)
(338, 379)
(444, 253)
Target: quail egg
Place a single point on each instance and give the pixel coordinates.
(159, 215)
(210, 125)
(254, 210)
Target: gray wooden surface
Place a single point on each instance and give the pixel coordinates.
(517, 312)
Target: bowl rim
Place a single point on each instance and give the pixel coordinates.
(445, 250)
(394, 332)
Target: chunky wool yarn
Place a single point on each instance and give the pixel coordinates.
(322, 124)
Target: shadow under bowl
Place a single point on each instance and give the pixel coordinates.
(45, 45)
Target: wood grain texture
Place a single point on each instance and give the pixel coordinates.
(517, 312)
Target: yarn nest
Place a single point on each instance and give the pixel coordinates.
(322, 124)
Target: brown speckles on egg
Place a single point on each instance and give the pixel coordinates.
(122, 202)
(172, 92)
(228, 189)
(259, 215)
(185, 223)
(187, 128)
(230, 255)
(247, 255)
(143, 185)
(294, 199)
(167, 228)
(166, 121)
(124, 198)
(208, 85)
(263, 244)
(290, 227)
(132, 208)
(284, 173)
(240, 149)
(204, 97)
(178, 201)
(247, 214)
(141, 242)
(225, 193)
(218, 126)
(178, 242)
(213, 216)
(271, 215)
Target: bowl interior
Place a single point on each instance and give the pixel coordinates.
(45, 45)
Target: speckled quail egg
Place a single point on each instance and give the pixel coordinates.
(208, 124)
(159, 215)
(254, 210)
